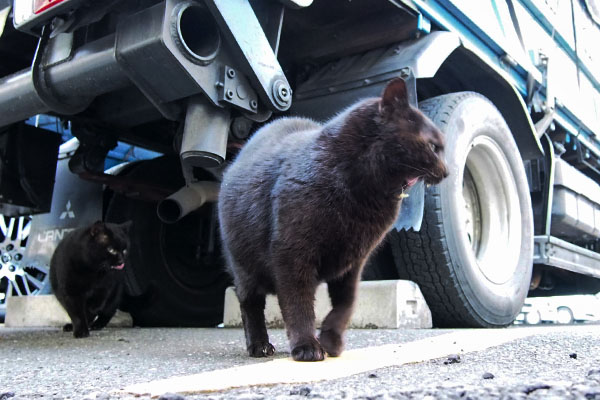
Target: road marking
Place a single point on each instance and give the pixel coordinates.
(350, 363)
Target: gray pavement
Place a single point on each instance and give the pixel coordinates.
(50, 364)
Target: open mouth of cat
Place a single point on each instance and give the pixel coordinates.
(120, 266)
(410, 182)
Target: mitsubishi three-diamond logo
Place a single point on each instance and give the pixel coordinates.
(68, 212)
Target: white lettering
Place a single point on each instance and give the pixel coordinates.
(52, 235)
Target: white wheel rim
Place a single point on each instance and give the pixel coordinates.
(492, 216)
(16, 278)
(533, 318)
(563, 316)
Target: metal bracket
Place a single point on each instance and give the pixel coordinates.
(238, 22)
(92, 150)
(233, 88)
(41, 87)
(550, 250)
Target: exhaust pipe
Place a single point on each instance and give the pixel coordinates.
(186, 200)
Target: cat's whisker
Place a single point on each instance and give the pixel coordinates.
(413, 167)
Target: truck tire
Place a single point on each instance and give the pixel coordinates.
(175, 274)
(473, 256)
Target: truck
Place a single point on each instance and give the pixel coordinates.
(513, 84)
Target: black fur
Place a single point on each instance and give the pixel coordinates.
(305, 203)
(86, 274)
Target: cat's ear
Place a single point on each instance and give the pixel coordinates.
(126, 226)
(97, 228)
(395, 95)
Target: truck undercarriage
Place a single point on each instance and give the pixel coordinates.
(193, 80)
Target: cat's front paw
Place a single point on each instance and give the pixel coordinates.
(311, 351)
(261, 349)
(68, 328)
(81, 333)
(332, 342)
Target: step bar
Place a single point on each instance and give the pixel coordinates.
(550, 250)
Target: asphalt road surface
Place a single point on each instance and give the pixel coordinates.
(515, 363)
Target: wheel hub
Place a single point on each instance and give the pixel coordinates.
(492, 212)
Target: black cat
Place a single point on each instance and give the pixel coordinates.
(305, 203)
(86, 274)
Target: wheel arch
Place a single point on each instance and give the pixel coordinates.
(492, 83)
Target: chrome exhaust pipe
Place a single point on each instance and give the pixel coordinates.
(186, 200)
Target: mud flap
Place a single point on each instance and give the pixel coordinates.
(75, 203)
(411, 209)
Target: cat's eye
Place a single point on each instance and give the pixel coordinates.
(434, 147)
(112, 250)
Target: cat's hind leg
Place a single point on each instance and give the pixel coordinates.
(342, 292)
(252, 306)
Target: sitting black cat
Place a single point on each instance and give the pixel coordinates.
(86, 274)
(305, 203)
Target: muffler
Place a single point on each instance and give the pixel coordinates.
(186, 200)
(205, 132)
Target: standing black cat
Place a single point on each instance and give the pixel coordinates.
(305, 203)
(86, 274)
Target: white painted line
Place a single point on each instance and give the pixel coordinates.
(350, 363)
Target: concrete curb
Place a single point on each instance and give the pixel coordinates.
(380, 304)
(45, 310)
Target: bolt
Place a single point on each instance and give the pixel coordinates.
(10, 247)
(231, 73)
(282, 93)
(253, 104)
(229, 94)
(18, 256)
(12, 268)
(6, 258)
(240, 127)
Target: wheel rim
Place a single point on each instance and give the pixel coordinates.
(563, 316)
(17, 278)
(533, 318)
(492, 217)
(473, 211)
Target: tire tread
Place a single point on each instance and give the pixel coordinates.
(419, 255)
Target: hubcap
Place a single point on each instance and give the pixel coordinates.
(492, 217)
(17, 279)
